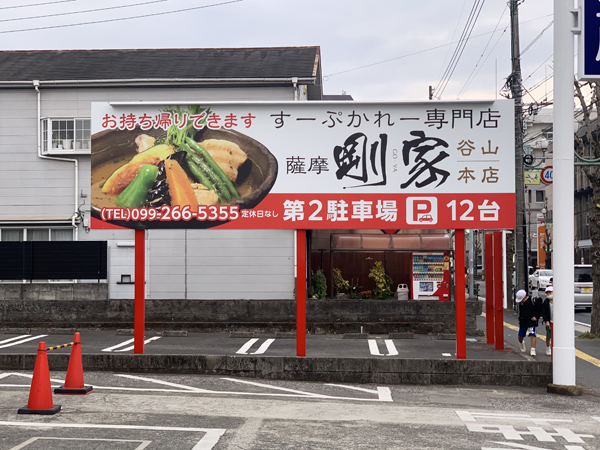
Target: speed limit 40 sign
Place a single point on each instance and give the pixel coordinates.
(546, 175)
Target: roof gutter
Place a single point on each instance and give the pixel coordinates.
(284, 81)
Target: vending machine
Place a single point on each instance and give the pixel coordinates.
(430, 276)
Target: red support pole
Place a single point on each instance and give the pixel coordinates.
(300, 292)
(139, 309)
(489, 288)
(498, 297)
(459, 295)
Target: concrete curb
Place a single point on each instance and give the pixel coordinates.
(346, 370)
(572, 391)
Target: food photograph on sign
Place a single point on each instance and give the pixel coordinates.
(151, 171)
(299, 165)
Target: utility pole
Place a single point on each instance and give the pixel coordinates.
(521, 266)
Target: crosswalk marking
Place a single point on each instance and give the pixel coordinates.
(22, 341)
(391, 348)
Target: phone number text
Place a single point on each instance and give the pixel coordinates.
(168, 213)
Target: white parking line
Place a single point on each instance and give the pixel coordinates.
(13, 338)
(165, 383)
(22, 341)
(391, 347)
(110, 349)
(126, 349)
(208, 441)
(244, 348)
(143, 444)
(383, 393)
(129, 341)
(373, 347)
(263, 348)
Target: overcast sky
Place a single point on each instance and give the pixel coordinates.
(380, 50)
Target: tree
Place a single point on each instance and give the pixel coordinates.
(587, 141)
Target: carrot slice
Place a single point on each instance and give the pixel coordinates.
(182, 193)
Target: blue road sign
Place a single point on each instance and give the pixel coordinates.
(589, 51)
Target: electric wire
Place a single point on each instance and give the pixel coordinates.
(84, 11)
(36, 4)
(365, 66)
(458, 46)
(476, 69)
(454, 33)
(122, 18)
(535, 39)
(475, 11)
(538, 68)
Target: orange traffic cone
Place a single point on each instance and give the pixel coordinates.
(74, 379)
(40, 394)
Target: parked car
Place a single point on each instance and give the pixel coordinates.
(529, 273)
(540, 279)
(583, 286)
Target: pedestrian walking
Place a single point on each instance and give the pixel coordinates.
(547, 311)
(529, 316)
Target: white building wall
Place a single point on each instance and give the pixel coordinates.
(194, 264)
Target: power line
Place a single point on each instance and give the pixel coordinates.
(474, 15)
(122, 18)
(83, 12)
(538, 68)
(537, 38)
(469, 80)
(36, 4)
(454, 33)
(418, 52)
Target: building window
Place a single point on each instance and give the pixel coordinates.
(36, 234)
(11, 234)
(60, 136)
(539, 196)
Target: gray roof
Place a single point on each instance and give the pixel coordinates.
(302, 62)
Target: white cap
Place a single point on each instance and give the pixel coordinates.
(520, 296)
(549, 289)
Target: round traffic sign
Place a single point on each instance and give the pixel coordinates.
(546, 175)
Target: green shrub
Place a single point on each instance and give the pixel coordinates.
(383, 281)
(319, 283)
(339, 284)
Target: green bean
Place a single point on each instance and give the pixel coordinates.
(220, 188)
(213, 165)
(196, 172)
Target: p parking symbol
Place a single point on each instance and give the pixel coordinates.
(421, 211)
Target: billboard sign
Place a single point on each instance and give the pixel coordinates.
(589, 41)
(303, 165)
